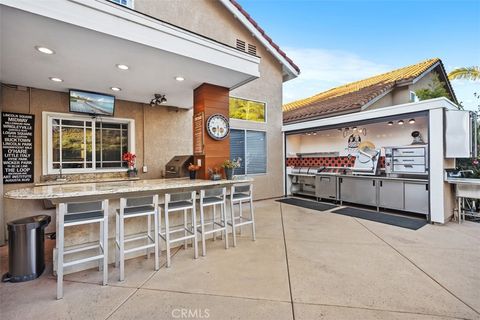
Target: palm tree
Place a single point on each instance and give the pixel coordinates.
(470, 73)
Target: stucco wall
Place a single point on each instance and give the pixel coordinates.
(213, 20)
(163, 139)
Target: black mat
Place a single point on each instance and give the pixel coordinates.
(319, 206)
(382, 217)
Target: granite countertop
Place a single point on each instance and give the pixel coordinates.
(60, 182)
(116, 189)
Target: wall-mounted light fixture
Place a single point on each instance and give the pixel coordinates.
(158, 100)
(411, 121)
(390, 123)
(400, 122)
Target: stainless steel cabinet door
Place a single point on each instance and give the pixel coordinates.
(416, 197)
(359, 190)
(390, 194)
(326, 187)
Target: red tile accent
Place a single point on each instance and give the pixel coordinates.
(326, 161)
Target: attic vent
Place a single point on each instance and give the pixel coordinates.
(240, 45)
(252, 49)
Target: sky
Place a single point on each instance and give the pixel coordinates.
(336, 42)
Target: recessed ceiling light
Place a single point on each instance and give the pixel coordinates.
(179, 78)
(55, 79)
(44, 50)
(390, 123)
(116, 89)
(411, 121)
(122, 66)
(400, 122)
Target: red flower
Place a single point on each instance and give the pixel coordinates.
(129, 158)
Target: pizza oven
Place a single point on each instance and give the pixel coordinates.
(177, 167)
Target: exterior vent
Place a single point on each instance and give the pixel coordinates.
(252, 49)
(241, 45)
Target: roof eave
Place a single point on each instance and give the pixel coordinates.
(289, 72)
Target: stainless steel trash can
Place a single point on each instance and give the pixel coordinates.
(26, 248)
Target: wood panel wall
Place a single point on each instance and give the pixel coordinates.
(211, 99)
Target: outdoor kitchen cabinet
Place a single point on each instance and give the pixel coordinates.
(416, 197)
(326, 187)
(390, 194)
(358, 190)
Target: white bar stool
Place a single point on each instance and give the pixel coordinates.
(238, 195)
(212, 198)
(134, 208)
(74, 214)
(173, 203)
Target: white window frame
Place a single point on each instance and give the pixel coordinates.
(249, 121)
(245, 151)
(130, 3)
(414, 95)
(47, 150)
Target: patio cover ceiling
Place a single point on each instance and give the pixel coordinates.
(91, 37)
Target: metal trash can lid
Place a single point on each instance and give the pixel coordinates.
(29, 223)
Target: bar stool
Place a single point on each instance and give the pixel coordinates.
(134, 208)
(74, 214)
(173, 203)
(238, 195)
(212, 198)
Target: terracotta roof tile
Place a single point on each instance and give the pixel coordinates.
(352, 96)
(269, 40)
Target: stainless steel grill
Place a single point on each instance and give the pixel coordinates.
(177, 167)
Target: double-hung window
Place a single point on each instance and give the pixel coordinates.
(79, 144)
(251, 147)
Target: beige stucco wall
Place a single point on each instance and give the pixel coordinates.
(213, 20)
(163, 140)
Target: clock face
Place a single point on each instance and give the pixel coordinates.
(218, 127)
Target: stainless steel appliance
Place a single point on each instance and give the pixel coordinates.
(326, 186)
(406, 160)
(366, 162)
(460, 134)
(177, 167)
(303, 180)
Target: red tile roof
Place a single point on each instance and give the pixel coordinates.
(265, 36)
(353, 96)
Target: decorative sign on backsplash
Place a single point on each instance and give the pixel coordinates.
(17, 147)
(198, 129)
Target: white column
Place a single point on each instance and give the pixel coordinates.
(437, 184)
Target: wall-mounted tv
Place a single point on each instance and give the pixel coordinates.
(92, 103)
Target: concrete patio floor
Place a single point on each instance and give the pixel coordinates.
(304, 265)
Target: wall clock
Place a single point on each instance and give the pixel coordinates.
(218, 126)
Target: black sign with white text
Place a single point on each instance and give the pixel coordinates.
(17, 147)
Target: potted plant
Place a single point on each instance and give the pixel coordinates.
(130, 159)
(229, 167)
(214, 173)
(193, 168)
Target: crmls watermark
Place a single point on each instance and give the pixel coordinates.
(184, 313)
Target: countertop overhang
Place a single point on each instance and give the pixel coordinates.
(111, 190)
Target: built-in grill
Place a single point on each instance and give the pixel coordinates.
(177, 167)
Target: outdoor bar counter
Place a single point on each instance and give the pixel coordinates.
(72, 192)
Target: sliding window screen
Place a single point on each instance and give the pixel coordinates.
(256, 152)
(237, 148)
(251, 147)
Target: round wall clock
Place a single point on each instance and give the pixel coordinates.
(218, 126)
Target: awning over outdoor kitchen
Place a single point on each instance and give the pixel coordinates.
(87, 51)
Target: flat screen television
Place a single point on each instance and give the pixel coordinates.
(92, 103)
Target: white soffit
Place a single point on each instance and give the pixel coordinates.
(373, 114)
(288, 69)
(90, 37)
